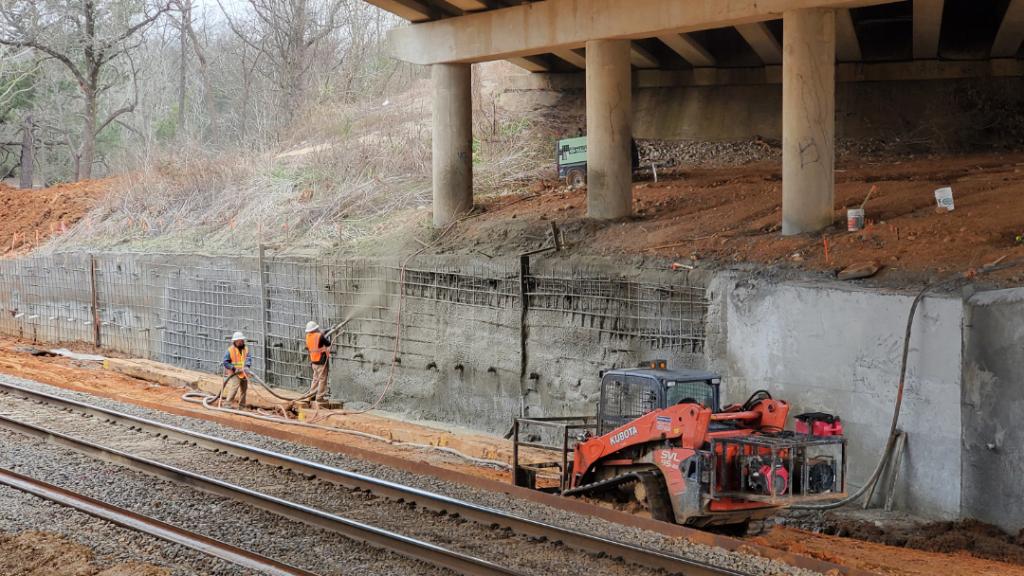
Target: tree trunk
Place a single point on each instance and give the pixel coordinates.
(27, 169)
(186, 13)
(87, 148)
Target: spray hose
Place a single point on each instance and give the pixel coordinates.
(207, 400)
(898, 404)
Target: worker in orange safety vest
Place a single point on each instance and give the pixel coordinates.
(237, 362)
(319, 347)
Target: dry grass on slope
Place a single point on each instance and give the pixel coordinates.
(355, 174)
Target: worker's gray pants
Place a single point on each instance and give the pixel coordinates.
(240, 391)
(319, 385)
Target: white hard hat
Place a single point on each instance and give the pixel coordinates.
(312, 326)
(237, 336)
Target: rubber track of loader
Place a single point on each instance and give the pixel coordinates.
(603, 484)
(657, 495)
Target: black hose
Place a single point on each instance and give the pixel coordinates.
(755, 398)
(262, 384)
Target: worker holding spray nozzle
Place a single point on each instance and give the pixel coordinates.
(237, 362)
(319, 346)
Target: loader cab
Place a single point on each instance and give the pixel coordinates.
(627, 394)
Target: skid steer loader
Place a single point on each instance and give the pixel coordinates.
(662, 442)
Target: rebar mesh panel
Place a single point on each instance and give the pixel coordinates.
(181, 309)
(659, 316)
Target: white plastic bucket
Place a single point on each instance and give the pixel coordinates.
(854, 219)
(944, 198)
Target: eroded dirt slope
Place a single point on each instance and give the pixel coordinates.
(29, 217)
(732, 215)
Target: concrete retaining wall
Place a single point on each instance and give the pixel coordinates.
(837, 349)
(470, 355)
(993, 404)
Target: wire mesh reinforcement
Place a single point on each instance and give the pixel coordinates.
(181, 309)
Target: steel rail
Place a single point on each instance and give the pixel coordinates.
(430, 500)
(352, 529)
(151, 526)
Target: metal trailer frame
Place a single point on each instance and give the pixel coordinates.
(562, 427)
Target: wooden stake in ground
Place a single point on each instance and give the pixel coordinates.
(874, 188)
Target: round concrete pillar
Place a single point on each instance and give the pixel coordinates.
(808, 119)
(609, 129)
(452, 141)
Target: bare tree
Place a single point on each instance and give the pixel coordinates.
(191, 42)
(185, 8)
(93, 40)
(16, 65)
(26, 170)
(285, 34)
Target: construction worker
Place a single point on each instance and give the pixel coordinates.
(319, 347)
(238, 362)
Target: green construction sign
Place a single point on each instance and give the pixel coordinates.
(572, 151)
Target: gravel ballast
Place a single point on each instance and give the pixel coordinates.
(751, 564)
(111, 544)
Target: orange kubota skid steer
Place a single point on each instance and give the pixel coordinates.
(662, 442)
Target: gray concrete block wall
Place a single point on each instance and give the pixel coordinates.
(993, 406)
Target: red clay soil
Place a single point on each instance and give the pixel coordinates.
(733, 215)
(29, 217)
(896, 560)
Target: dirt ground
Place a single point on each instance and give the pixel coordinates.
(942, 548)
(90, 377)
(976, 538)
(732, 215)
(893, 560)
(45, 554)
(29, 217)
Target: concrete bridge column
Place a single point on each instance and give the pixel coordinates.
(609, 128)
(808, 119)
(452, 141)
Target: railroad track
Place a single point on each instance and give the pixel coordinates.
(228, 466)
(148, 525)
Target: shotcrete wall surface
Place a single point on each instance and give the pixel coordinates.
(482, 341)
(993, 404)
(835, 349)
